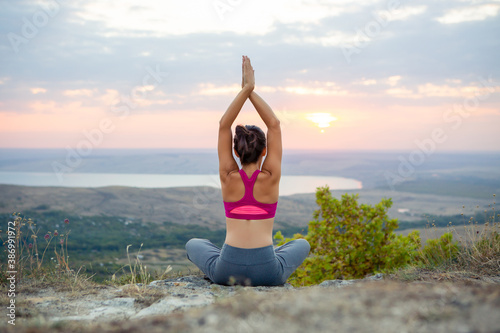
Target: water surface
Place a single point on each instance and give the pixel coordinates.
(288, 185)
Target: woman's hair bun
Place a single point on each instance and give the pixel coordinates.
(249, 142)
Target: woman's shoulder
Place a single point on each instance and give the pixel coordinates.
(231, 177)
(268, 176)
(273, 173)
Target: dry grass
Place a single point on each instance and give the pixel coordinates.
(473, 254)
(481, 250)
(143, 295)
(437, 274)
(137, 272)
(75, 283)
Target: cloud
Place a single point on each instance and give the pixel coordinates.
(319, 88)
(402, 13)
(211, 89)
(366, 82)
(393, 80)
(298, 88)
(433, 90)
(36, 91)
(467, 14)
(444, 90)
(79, 92)
(174, 18)
(402, 93)
(331, 38)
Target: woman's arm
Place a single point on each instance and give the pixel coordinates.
(272, 163)
(234, 108)
(227, 163)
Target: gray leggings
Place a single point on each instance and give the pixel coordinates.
(262, 266)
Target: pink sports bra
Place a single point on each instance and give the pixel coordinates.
(247, 208)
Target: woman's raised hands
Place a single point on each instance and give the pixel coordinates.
(248, 78)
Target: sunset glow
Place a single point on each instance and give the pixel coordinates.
(338, 74)
(321, 120)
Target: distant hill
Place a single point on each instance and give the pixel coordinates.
(203, 205)
(187, 205)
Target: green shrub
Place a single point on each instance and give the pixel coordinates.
(350, 240)
(437, 252)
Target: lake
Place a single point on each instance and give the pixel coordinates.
(288, 184)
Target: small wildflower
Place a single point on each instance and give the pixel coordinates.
(33, 236)
(56, 233)
(47, 236)
(30, 245)
(61, 241)
(66, 221)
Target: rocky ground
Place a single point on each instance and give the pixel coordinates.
(193, 304)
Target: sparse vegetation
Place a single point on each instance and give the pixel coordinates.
(98, 243)
(41, 261)
(472, 249)
(350, 240)
(138, 272)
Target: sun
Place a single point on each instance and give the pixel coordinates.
(322, 120)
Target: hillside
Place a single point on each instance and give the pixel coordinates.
(203, 205)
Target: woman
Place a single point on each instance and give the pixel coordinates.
(250, 198)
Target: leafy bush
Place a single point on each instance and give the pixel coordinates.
(437, 252)
(350, 240)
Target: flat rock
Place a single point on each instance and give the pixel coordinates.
(193, 304)
(343, 283)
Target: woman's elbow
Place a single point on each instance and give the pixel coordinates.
(275, 123)
(223, 123)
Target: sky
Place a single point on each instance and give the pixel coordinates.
(340, 75)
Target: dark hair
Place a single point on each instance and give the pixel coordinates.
(249, 142)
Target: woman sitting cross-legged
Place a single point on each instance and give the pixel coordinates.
(250, 196)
